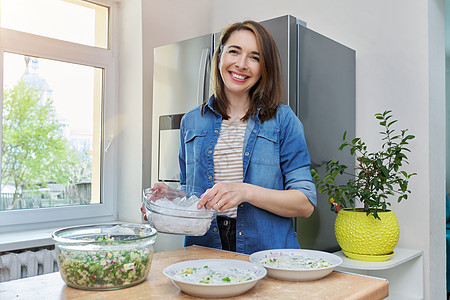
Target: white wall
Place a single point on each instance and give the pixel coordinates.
(437, 150)
(129, 131)
(400, 66)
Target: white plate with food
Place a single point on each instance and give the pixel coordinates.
(296, 264)
(215, 278)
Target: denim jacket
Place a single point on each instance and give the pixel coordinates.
(274, 156)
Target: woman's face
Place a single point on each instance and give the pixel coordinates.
(239, 63)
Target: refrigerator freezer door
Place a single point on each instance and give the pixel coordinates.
(284, 32)
(179, 74)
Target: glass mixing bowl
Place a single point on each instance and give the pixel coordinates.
(104, 256)
(172, 213)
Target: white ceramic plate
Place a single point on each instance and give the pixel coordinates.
(296, 272)
(227, 267)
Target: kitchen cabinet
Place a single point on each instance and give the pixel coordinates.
(337, 285)
(404, 271)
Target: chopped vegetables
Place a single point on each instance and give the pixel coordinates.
(104, 268)
(104, 237)
(210, 275)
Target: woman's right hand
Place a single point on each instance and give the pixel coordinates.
(158, 191)
(161, 190)
(143, 211)
(151, 195)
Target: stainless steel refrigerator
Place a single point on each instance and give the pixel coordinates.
(319, 86)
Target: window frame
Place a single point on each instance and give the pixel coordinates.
(44, 47)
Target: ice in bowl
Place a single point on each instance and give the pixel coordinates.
(174, 212)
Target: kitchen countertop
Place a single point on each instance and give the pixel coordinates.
(337, 285)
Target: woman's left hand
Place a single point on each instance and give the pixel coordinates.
(223, 196)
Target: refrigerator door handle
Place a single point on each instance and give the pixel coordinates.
(203, 70)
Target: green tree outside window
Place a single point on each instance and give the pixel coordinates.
(34, 149)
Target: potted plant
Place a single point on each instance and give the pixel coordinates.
(369, 232)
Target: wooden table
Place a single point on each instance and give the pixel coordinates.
(337, 285)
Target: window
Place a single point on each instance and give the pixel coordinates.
(75, 21)
(58, 112)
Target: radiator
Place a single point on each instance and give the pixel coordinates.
(27, 263)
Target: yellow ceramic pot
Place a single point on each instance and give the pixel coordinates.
(363, 237)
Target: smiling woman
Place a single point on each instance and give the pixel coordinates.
(233, 140)
(58, 102)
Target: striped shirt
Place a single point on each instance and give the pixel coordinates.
(228, 156)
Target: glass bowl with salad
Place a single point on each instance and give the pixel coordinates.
(104, 256)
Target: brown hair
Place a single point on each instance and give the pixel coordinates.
(267, 92)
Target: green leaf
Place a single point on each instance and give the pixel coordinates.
(385, 171)
(392, 122)
(376, 184)
(355, 140)
(379, 163)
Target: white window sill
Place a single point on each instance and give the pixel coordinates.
(29, 239)
(26, 239)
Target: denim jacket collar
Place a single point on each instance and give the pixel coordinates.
(209, 105)
(210, 102)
